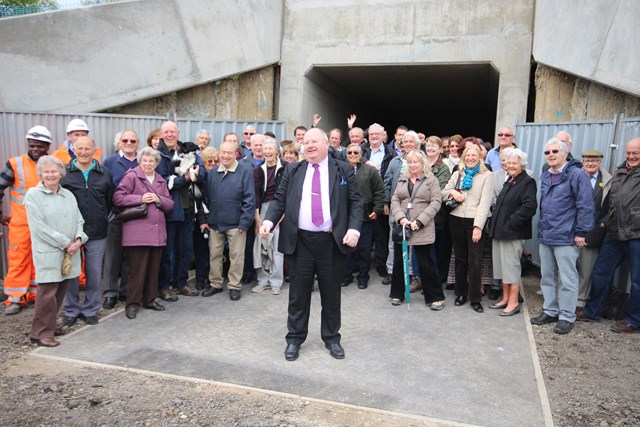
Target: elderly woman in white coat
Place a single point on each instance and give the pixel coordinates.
(56, 226)
(414, 205)
(474, 193)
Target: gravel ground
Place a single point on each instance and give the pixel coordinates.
(591, 376)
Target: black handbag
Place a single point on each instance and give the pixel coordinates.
(133, 212)
(451, 204)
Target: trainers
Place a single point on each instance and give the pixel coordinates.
(543, 318)
(563, 327)
(168, 295)
(69, 321)
(188, 291)
(275, 291)
(259, 288)
(416, 284)
(13, 308)
(395, 301)
(437, 305)
(387, 280)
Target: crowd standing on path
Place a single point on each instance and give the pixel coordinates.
(84, 234)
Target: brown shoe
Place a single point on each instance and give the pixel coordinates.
(415, 285)
(188, 291)
(581, 316)
(624, 327)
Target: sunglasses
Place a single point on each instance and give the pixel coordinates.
(505, 134)
(129, 141)
(546, 153)
(353, 152)
(248, 133)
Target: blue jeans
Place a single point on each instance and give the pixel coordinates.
(612, 253)
(554, 261)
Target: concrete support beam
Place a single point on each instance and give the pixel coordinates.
(348, 32)
(595, 40)
(94, 58)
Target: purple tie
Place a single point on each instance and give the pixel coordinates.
(316, 198)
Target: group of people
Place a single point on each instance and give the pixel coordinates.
(313, 208)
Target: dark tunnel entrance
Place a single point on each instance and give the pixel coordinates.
(433, 99)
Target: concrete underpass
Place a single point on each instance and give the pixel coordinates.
(434, 99)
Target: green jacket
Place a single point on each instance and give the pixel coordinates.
(54, 222)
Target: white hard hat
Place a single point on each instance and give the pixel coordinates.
(39, 133)
(77, 124)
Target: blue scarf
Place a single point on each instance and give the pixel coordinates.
(467, 181)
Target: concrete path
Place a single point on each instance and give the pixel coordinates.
(455, 365)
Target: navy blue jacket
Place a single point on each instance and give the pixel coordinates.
(230, 197)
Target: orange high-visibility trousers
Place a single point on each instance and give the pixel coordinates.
(20, 282)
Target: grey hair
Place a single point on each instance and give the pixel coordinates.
(519, 154)
(205, 132)
(413, 134)
(561, 144)
(273, 142)
(350, 146)
(257, 136)
(247, 127)
(148, 151)
(356, 129)
(376, 125)
(46, 161)
(506, 151)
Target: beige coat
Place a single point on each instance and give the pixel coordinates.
(426, 205)
(477, 201)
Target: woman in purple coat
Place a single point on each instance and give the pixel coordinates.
(144, 237)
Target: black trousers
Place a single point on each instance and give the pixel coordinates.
(316, 253)
(381, 239)
(428, 274)
(468, 258)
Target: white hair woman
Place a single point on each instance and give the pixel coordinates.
(56, 227)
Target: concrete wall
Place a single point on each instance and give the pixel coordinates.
(91, 59)
(319, 32)
(563, 97)
(595, 40)
(248, 96)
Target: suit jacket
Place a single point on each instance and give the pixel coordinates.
(345, 202)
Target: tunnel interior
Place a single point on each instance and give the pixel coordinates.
(433, 99)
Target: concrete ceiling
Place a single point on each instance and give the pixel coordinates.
(434, 99)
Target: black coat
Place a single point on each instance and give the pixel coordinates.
(515, 207)
(94, 197)
(345, 201)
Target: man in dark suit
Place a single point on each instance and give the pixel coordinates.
(322, 208)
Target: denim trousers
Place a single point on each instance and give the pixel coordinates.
(560, 299)
(611, 255)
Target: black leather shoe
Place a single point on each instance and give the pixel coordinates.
(247, 279)
(347, 280)
(199, 285)
(154, 306)
(362, 285)
(461, 300)
(109, 303)
(335, 350)
(234, 294)
(131, 311)
(291, 352)
(211, 290)
(543, 318)
(477, 307)
(69, 321)
(494, 294)
(91, 320)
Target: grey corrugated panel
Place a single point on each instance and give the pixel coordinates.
(15, 125)
(629, 129)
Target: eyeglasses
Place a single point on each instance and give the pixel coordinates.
(591, 160)
(248, 133)
(546, 153)
(353, 152)
(129, 141)
(505, 134)
(632, 153)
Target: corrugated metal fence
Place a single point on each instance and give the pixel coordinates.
(15, 125)
(607, 136)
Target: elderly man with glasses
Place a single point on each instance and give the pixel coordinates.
(506, 139)
(566, 215)
(621, 242)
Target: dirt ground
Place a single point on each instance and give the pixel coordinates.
(591, 376)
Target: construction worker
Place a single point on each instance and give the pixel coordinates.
(75, 129)
(20, 175)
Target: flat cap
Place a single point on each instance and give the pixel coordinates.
(592, 153)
